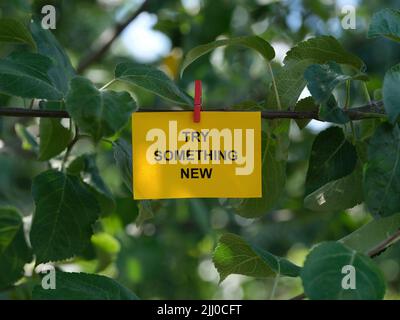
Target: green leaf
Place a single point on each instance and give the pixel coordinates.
(13, 31)
(306, 104)
(86, 166)
(153, 80)
(273, 182)
(322, 79)
(126, 209)
(105, 200)
(322, 274)
(252, 42)
(290, 80)
(385, 23)
(382, 173)
(54, 138)
(14, 252)
(391, 94)
(123, 157)
(337, 195)
(64, 215)
(25, 75)
(233, 255)
(373, 233)
(367, 128)
(332, 157)
(290, 83)
(321, 50)
(83, 286)
(51, 105)
(98, 113)
(61, 71)
(77, 165)
(330, 111)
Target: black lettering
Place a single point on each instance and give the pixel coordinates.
(196, 135)
(199, 154)
(194, 173)
(171, 155)
(157, 155)
(206, 172)
(190, 155)
(185, 173)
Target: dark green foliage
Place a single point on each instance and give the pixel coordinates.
(332, 157)
(330, 196)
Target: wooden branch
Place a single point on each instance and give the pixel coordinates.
(32, 113)
(381, 247)
(106, 39)
(372, 110)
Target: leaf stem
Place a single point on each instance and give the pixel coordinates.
(70, 147)
(278, 101)
(31, 104)
(353, 132)
(348, 89)
(107, 84)
(107, 141)
(275, 286)
(346, 107)
(365, 89)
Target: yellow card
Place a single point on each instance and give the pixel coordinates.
(174, 157)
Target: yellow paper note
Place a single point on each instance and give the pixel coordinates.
(174, 157)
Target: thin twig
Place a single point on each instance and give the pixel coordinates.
(381, 247)
(301, 296)
(70, 146)
(31, 104)
(372, 110)
(365, 89)
(107, 84)
(106, 39)
(278, 100)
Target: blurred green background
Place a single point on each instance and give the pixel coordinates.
(169, 256)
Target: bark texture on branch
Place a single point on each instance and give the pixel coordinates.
(372, 110)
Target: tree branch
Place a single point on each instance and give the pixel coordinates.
(381, 247)
(106, 39)
(32, 113)
(372, 110)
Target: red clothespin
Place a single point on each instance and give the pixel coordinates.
(197, 100)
